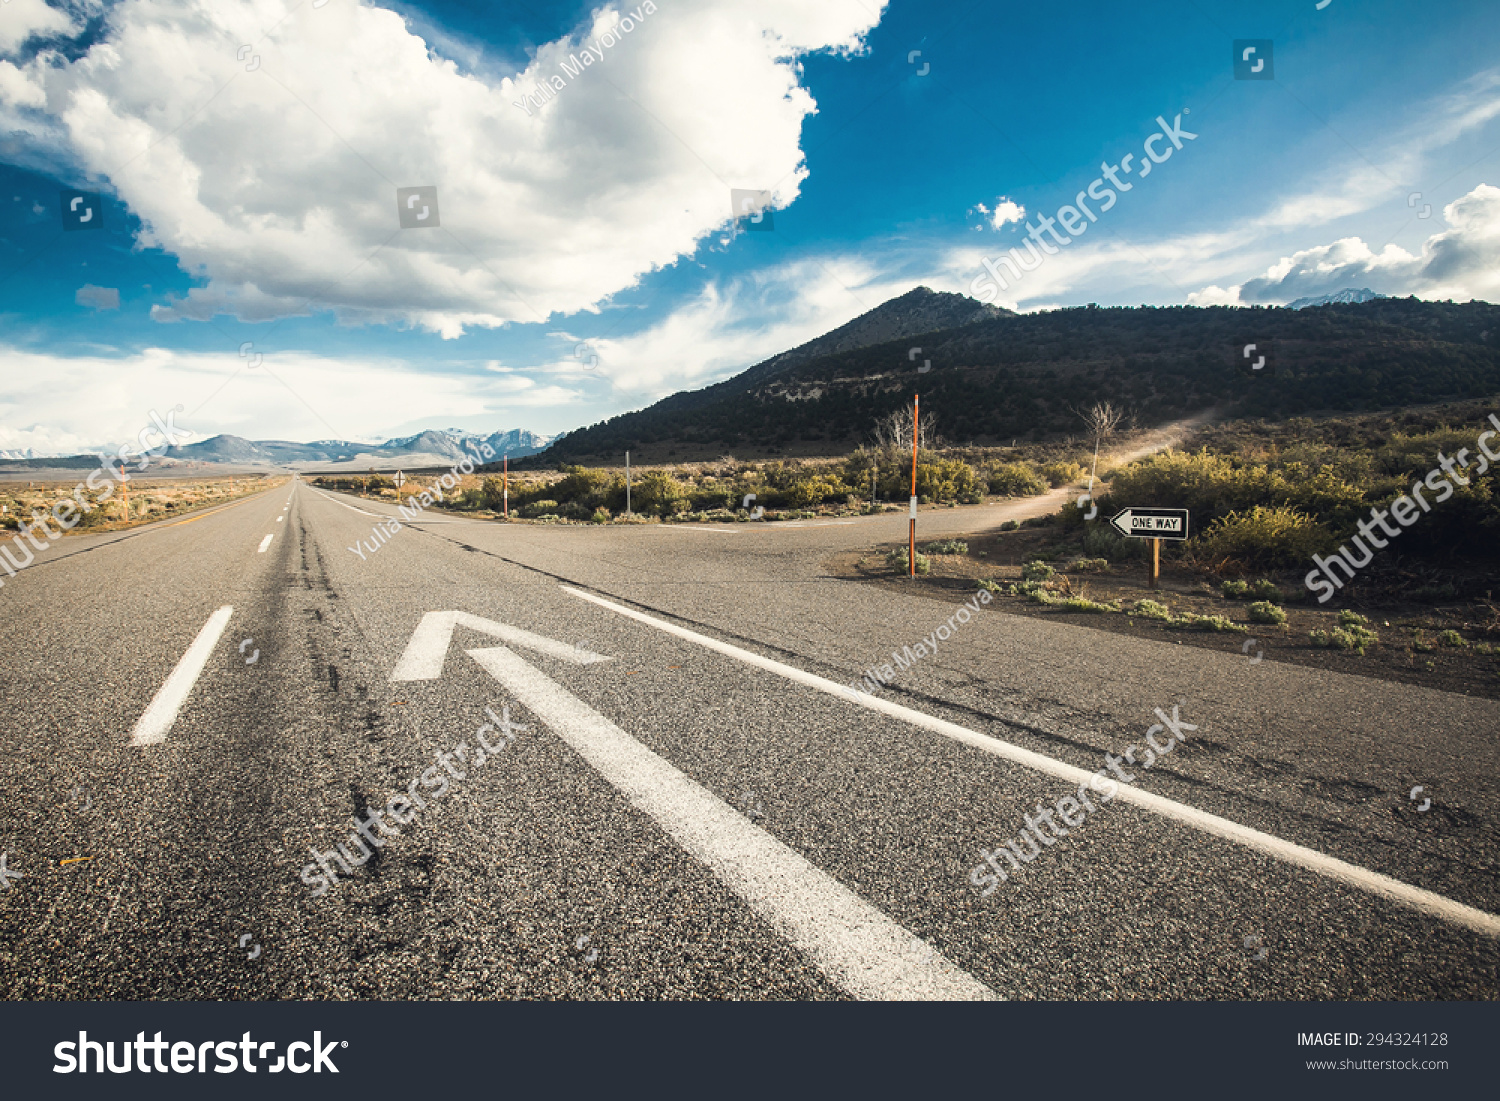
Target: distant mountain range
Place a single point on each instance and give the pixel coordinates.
(1345, 297)
(430, 448)
(991, 377)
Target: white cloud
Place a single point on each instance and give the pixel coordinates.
(76, 402)
(21, 19)
(1461, 261)
(1003, 213)
(278, 184)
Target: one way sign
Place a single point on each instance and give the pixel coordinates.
(1152, 523)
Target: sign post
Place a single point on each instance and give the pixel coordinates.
(916, 420)
(627, 483)
(1154, 524)
(505, 487)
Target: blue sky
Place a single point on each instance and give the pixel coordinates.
(586, 263)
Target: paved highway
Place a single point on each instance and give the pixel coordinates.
(619, 763)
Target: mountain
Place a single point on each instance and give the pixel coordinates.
(1344, 297)
(995, 379)
(914, 313)
(429, 448)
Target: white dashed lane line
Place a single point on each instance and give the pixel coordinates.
(264, 543)
(159, 717)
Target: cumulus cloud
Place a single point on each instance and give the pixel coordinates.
(273, 177)
(99, 298)
(1461, 261)
(1003, 213)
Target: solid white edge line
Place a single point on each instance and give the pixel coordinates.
(264, 543)
(159, 717)
(1375, 883)
(859, 948)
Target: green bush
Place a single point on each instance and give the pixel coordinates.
(989, 586)
(1235, 590)
(1009, 525)
(657, 493)
(1103, 541)
(1062, 473)
(1091, 565)
(1352, 619)
(1084, 604)
(1150, 609)
(1207, 623)
(601, 516)
(1037, 571)
(1344, 638)
(1264, 536)
(1263, 611)
(1013, 480)
(899, 560)
(537, 509)
(946, 546)
(1452, 638)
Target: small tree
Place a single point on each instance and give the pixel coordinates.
(1103, 419)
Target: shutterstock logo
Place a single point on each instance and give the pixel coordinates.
(189, 1058)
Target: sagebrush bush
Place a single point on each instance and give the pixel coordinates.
(1263, 611)
(1267, 536)
(1014, 480)
(946, 546)
(899, 559)
(1150, 609)
(1037, 571)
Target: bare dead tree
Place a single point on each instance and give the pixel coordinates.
(1103, 420)
(892, 432)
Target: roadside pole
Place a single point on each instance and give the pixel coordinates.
(627, 483)
(916, 420)
(505, 487)
(1155, 564)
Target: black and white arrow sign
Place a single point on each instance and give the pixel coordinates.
(1152, 523)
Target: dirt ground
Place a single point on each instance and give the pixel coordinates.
(1409, 650)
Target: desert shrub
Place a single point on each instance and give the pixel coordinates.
(899, 560)
(1091, 565)
(1084, 604)
(600, 516)
(946, 546)
(989, 586)
(1062, 473)
(1263, 536)
(1452, 638)
(1421, 643)
(1102, 541)
(1009, 525)
(1150, 609)
(537, 509)
(1013, 480)
(1235, 590)
(1196, 622)
(1344, 638)
(1263, 611)
(1037, 571)
(815, 490)
(1352, 619)
(657, 493)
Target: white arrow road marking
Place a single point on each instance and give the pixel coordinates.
(264, 543)
(1382, 886)
(866, 953)
(423, 659)
(162, 713)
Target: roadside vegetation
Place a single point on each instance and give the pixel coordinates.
(149, 500)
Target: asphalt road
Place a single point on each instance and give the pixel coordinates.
(688, 805)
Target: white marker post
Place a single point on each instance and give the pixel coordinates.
(627, 483)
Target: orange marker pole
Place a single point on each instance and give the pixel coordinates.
(916, 420)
